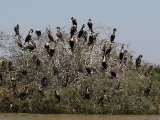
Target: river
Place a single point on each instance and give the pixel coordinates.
(76, 117)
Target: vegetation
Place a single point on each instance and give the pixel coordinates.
(29, 87)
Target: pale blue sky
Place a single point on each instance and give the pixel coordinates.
(137, 21)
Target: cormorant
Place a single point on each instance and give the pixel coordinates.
(59, 34)
(4, 64)
(138, 61)
(91, 39)
(1, 78)
(19, 42)
(113, 75)
(85, 36)
(113, 35)
(23, 71)
(87, 94)
(16, 29)
(29, 36)
(71, 44)
(51, 52)
(80, 33)
(38, 33)
(148, 90)
(31, 46)
(50, 36)
(10, 66)
(90, 25)
(88, 69)
(22, 95)
(13, 84)
(101, 99)
(108, 51)
(44, 82)
(74, 21)
(73, 30)
(104, 64)
(57, 96)
(46, 46)
(121, 54)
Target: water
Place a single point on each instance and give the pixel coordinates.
(75, 117)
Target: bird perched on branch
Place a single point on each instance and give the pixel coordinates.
(86, 93)
(73, 30)
(57, 96)
(71, 44)
(38, 33)
(59, 34)
(90, 25)
(81, 32)
(31, 46)
(74, 21)
(122, 54)
(29, 36)
(138, 61)
(50, 36)
(104, 64)
(16, 29)
(113, 35)
(102, 97)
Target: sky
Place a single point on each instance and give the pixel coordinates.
(137, 21)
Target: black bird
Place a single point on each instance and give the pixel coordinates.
(29, 36)
(85, 36)
(59, 34)
(71, 44)
(104, 64)
(101, 99)
(73, 30)
(31, 46)
(138, 61)
(74, 21)
(13, 84)
(1, 76)
(16, 29)
(44, 82)
(51, 52)
(22, 95)
(38, 33)
(4, 64)
(90, 25)
(23, 71)
(50, 36)
(104, 49)
(108, 51)
(55, 70)
(88, 69)
(10, 66)
(91, 39)
(46, 46)
(1, 79)
(38, 62)
(57, 96)
(148, 90)
(113, 75)
(113, 35)
(80, 33)
(86, 93)
(121, 54)
(19, 42)
(65, 82)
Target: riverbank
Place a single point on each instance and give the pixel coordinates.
(76, 117)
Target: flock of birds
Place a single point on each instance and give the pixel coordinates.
(29, 44)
